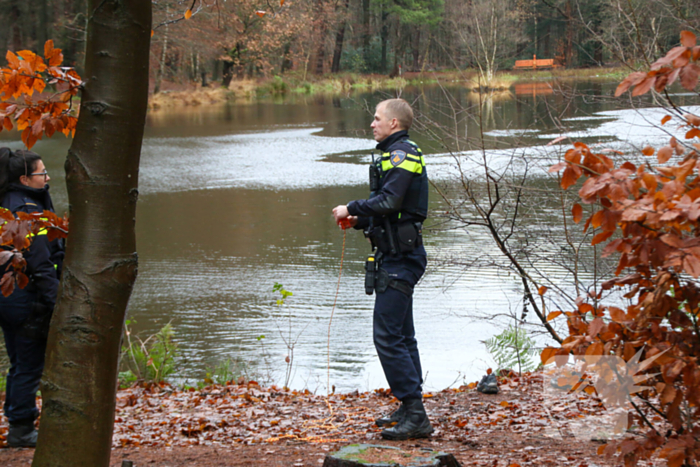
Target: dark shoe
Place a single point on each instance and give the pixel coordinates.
(22, 435)
(415, 423)
(390, 420)
(488, 384)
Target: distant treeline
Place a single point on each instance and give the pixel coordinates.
(224, 40)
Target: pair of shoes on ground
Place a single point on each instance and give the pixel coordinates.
(488, 384)
(22, 435)
(409, 421)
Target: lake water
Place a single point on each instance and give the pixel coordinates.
(237, 197)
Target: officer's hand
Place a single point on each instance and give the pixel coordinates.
(340, 212)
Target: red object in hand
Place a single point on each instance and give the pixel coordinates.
(344, 223)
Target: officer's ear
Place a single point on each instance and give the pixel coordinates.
(24, 180)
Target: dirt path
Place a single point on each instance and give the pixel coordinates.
(246, 425)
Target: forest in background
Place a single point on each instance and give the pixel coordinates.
(243, 39)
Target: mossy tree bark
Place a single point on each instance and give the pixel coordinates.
(80, 378)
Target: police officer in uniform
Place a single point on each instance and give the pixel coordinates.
(26, 313)
(392, 218)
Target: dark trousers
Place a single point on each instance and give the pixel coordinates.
(394, 333)
(26, 358)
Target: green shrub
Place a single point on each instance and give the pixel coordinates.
(151, 360)
(513, 349)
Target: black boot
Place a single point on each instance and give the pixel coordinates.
(395, 417)
(22, 435)
(415, 423)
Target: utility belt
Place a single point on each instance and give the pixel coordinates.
(392, 239)
(378, 279)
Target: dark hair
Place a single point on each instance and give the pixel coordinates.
(14, 164)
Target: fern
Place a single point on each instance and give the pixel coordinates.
(513, 348)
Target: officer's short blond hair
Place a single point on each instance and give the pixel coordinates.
(400, 110)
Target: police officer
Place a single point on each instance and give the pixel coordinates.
(392, 218)
(25, 314)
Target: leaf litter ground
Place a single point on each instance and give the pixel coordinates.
(245, 424)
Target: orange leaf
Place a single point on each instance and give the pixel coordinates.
(548, 354)
(691, 264)
(569, 178)
(692, 133)
(595, 349)
(577, 212)
(665, 119)
(595, 327)
(542, 289)
(689, 76)
(553, 315)
(188, 14)
(664, 154)
(618, 315)
(260, 13)
(281, 2)
(601, 237)
(643, 87)
(648, 151)
(688, 39)
(152, 32)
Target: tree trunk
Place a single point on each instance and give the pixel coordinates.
(320, 28)
(416, 49)
(80, 377)
(15, 39)
(227, 73)
(365, 32)
(384, 37)
(569, 54)
(339, 38)
(42, 32)
(163, 55)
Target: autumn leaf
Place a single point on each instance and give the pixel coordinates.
(664, 154)
(643, 87)
(260, 13)
(188, 14)
(688, 39)
(689, 76)
(601, 237)
(692, 133)
(648, 151)
(577, 213)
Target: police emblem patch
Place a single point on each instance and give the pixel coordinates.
(397, 157)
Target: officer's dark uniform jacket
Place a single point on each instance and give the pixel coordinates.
(403, 185)
(44, 259)
(26, 313)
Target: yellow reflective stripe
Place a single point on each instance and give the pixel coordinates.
(43, 231)
(413, 167)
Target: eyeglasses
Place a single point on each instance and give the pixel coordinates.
(43, 174)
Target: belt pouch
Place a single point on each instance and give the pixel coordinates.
(407, 235)
(382, 281)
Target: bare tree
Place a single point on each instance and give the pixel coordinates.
(489, 30)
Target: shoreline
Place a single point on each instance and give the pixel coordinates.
(247, 91)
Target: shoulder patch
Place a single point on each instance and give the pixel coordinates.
(397, 157)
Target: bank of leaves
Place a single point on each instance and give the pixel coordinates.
(648, 215)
